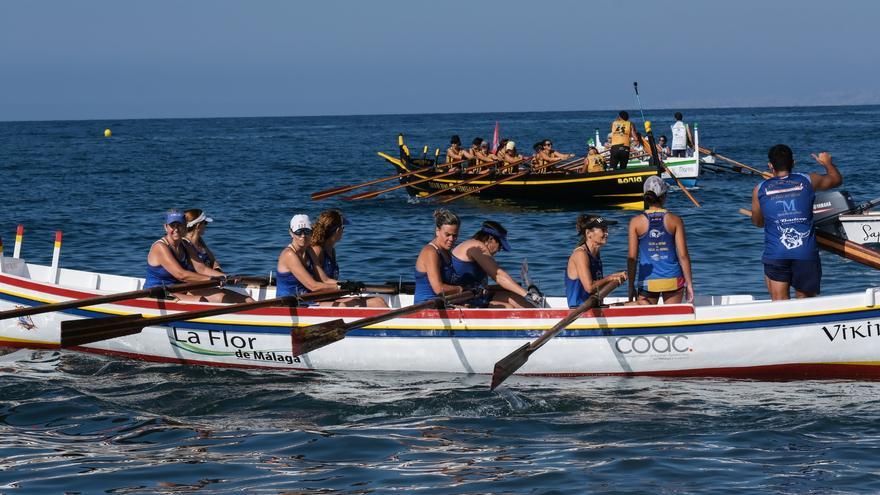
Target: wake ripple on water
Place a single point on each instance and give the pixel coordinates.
(145, 428)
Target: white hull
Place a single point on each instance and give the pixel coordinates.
(833, 336)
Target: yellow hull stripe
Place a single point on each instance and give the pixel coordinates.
(415, 326)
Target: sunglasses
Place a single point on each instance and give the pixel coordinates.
(302, 232)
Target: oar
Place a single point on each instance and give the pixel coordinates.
(461, 183)
(86, 331)
(307, 339)
(343, 189)
(680, 185)
(508, 365)
(373, 194)
(472, 179)
(842, 247)
(156, 292)
(706, 151)
(501, 181)
(575, 166)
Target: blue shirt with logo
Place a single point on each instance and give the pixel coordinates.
(787, 207)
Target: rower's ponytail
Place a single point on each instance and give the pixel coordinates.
(581, 226)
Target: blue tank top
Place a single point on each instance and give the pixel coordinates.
(329, 265)
(424, 291)
(574, 289)
(787, 206)
(203, 256)
(468, 273)
(659, 270)
(288, 285)
(158, 275)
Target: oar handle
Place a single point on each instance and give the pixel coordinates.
(438, 302)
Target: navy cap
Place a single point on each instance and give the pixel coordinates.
(502, 239)
(174, 216)
(597, 222)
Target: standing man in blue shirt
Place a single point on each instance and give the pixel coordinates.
(783, 206)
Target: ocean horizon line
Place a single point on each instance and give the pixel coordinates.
(498, 113)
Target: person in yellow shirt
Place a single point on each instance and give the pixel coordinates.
(594, 162)
(622, 132)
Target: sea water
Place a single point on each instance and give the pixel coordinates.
(81, 423)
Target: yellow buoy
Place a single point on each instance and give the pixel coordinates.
(107, 133)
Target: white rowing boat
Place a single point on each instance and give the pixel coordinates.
(686, 169)
(735, 335)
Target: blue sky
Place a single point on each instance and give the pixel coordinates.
(117, 59)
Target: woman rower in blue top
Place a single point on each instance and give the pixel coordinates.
(433, 272)
(326, 233)
(169, 263)
(299, 271)
(657, 244)
(474, 263)
(194, 241)
(583, 275)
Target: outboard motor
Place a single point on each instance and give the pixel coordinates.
(828, 206)
(831, 204)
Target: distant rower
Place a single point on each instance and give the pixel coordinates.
(622, 133)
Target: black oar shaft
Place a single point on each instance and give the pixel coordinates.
(155, 292)
(96, 329)
(307, 339)
(437, 303)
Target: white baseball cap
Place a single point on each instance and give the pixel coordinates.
(300, 222)
(510, 145)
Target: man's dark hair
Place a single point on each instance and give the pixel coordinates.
(477, 141)
(781, 158)
(624, 115)
(455, 139)
(678, 116)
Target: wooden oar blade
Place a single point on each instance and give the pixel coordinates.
(81, 332)
(508, 365)
(307, 339)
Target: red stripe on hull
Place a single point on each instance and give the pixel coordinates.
(794, 371)
(495, 314)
